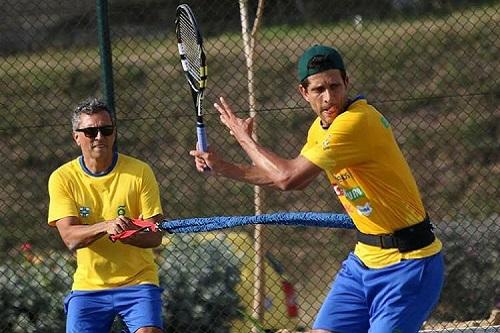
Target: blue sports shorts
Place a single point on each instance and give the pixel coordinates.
(394, 299)
(95, 311)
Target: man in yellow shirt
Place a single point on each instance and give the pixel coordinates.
(92, 198)
(393, 279)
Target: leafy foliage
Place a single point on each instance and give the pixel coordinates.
(471, 255)
(199, 277)
(32, 290)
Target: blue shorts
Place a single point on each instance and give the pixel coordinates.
(397, 298)
(94, 311)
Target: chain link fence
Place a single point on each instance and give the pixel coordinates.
(431, 67)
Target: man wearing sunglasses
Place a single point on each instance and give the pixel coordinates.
(92, 198)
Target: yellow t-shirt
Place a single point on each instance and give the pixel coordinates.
(371, 178)
(129, 189)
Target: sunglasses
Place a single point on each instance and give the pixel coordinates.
(91, 132)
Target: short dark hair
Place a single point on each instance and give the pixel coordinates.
(91, 105)
(319, 62)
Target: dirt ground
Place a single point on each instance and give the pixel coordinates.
(493, 320)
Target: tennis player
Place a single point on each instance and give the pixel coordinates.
(91, 198)
(393, 278)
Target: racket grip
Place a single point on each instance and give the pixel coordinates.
(202, 136)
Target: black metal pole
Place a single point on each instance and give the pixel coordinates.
(105, 53)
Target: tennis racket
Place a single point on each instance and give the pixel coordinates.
(190, 45)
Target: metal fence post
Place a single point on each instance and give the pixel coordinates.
(105, 53)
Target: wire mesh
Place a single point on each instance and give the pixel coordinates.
(431, 67)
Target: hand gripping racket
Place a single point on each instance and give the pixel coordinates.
(190, 45)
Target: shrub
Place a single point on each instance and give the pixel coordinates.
(199, 278)
(472, 281)
(32, 289)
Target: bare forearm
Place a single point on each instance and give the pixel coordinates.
(272, 171)
(283, 175)
(80, 236)
(269, 162)
(145, 240)
(246, 173)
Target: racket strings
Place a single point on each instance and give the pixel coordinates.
(188, 37)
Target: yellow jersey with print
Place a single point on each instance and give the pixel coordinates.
(371, 178)
(130, 189)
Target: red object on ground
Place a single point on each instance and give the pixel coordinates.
(290, 299)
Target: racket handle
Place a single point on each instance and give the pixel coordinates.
(202, 136)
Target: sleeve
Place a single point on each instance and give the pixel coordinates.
(61, 201)
(150, 202)
(345, 144)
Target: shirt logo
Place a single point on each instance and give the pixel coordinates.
(338, 190)
(365, 210)
(354, 193)
(121, 210)
(84, 211)
(326, 143)
(342, 177)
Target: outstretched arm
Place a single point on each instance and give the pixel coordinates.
(268, 169)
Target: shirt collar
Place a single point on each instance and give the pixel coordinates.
(99, 174)
(349, 103)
